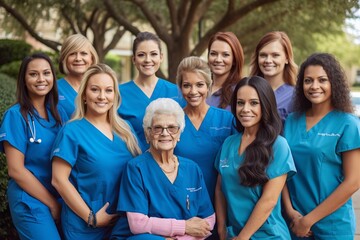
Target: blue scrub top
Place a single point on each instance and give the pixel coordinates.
(134, 102)
(317, 155)
(203, 144)
(283, 95)
(67, 96)
(241, 200)
(146, 189)
(97, 166)
(16, 131)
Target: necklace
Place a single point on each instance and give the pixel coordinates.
(171, 171)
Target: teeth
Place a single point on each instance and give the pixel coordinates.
(101, 104)
(41, 87)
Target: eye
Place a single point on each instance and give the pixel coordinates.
(240, 102)
(254, 103)
(263, 55)
(47, 73)
(307, 81)
(154, 54)
(140, 55)
(109, 90)
(84, 53)
(157, 129)
(323, 80)
(200, 85)
(173, 129)
(33, 74)
(186, 85)
(94, 89)
(213, 54)
(226, 54)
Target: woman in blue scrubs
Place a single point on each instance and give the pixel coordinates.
(76, 56)
(164, 195)
(206, 127)
(226, 60)
(253, 166)
(273, 60)
(324, 138)
(89, 156)
(146, 87)
(27, 132)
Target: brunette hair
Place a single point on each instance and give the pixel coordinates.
(340, 93)
(290, 69)
(145, 36)
(236, 69)
(22, 93)
(259, 153)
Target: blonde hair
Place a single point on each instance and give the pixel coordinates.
(118, 125)
(196, 65)
(72, 44)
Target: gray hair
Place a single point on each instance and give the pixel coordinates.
(164, 106)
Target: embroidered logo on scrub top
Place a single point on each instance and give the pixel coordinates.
(224, 163)
(61, 97)
(192, 189)
(219, 128)
(329, 134)
(56, 150)
(2, 135)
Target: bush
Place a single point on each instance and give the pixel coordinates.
(11, 69)
(7, 98)
(13, 50)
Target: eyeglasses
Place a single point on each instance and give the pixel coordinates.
(156, 130)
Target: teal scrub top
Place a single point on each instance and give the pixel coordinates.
(317, 156)
(241, 200)
(134, 102)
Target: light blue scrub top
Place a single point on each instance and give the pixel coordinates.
(97, 166)
(146, 189)
(16, 131)
(317, 156)
(203, 144)
(241, 200)
(283, 95)
(134, 102)
(67, 96)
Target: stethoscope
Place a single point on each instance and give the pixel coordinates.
(32, 128)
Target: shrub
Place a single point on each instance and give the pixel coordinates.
(7, 98)
(13, 50)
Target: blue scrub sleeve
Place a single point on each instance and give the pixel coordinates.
(350, 139)
(217, 160)
(66, 146)
(282, 162)
(14, 131)
(132, 197)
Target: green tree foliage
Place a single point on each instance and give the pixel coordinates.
(12, 50)
(7, 98)
(185, 26)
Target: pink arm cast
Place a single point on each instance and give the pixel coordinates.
(141, 223)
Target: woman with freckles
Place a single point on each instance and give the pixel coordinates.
(253, 167)
(324, 138)
(89, 156)
(146, 87)
(273, 60)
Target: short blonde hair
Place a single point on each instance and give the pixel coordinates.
(119, 126)
(196, 65)
(72, 44)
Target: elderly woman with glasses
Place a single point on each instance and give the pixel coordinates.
(165, 196)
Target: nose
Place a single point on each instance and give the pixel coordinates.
(218, 58)
(245, 108)
(315, 84)
(268, 58)
(101, 95)
(41, 78)
(77, 57)
(165, 132)
(147, 58)
(193, 90)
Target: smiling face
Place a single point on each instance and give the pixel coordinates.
(272, 59)
(220, 58)
(99, 95)
(194, 89)
(248, 108)
(79, 61)
(39, 78)
(317, 86)
(147, 58)
(166, 139)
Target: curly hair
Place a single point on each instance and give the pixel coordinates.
(236, 69)
(340, 92)
(259, 153)
(290, 69)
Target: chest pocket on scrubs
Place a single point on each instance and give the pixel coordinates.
(218, 134)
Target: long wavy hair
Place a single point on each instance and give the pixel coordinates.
(236, 70)
(340, 93)
(290, 69)
(22, 93)
(118, 125)
(259, 153)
